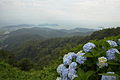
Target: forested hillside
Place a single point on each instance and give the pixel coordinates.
(15, 38)
(49, 72)
(43, 52)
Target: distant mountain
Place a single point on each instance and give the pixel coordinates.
(42, 25)
(52, 26)
(16, 27)
(48, 33)
(20, 26)
(16, 35)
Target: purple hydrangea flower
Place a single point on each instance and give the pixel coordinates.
(67, 59)
(88, 46)
(119, 41)
(72, 74)
(72, 54)
(63, 71)
(60, 68)
(64, 74)
(112, 43)
(81, 59)
(73, 65)
(111, 53)
(108, 77)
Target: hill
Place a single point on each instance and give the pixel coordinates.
(49, 72)
(43, 52)
(20, 36)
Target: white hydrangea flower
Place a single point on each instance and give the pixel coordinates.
(72, 74)
(102, 59)
(102, 62)
(119, 41)
(112, 43)
(108, 77)
(101, 65)
(73, 65)
(111, 53)
(88, 46)
(59, 78)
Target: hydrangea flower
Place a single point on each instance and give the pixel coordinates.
(88, 46)
(66, 56)
(102, 59)
(72, 74)
(58, 78)
(72, 54)
(102, 62)
(111, 53)
(112, 43)
(67, 59)
(60, 68)
(63, 71)
(108, 77)
(119, 41)
(81, 59)
(80, 53)
(73, 65)
(64, 74)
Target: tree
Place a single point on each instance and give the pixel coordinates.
(25, 64)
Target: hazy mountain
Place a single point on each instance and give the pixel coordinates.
(16, 35)
(44, 25)
(16, 27)
(48, 33)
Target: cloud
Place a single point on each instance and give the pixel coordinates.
(60, 11)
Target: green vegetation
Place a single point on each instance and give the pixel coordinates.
(49, 73)
(38, 60)
(46, 51)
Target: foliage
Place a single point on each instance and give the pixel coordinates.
(25, 64)
(47, 55)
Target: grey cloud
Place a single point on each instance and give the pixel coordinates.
(82, 12)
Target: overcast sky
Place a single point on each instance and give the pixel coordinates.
(83, 13)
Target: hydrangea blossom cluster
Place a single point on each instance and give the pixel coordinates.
(108, 77)
(102, 62)
(112, 43)
(72, 71)
(67, 70)
(63, 71)
(67, 59)
(111, 53)
(80, 58)
(69, 73)
(88, 46)
(119, 41)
